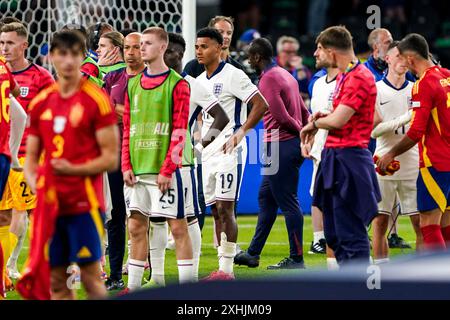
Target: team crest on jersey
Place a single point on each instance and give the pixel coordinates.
(59, 124)
(3, 70)
(24, 91)
(76, 114)
(217, 89)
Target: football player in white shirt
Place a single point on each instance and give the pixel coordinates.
(392, 109)
(201, 99)
(321, 101)
(223, 160)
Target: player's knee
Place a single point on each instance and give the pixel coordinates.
(179, 231)
(5, 218)
(225, 209)
(136, 229)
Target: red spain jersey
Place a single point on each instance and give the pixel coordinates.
(66, 128)
(7, 84)
(430, 124)
(31, 81)
(356, 89)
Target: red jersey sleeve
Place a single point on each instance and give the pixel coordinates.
(105, 116)
(46, 79)
(12, 81)
(33, 121)
(422, 103)
(354, 92)
(126, 163)
(180, 115)
(90, 69)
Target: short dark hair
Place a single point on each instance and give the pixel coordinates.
(263, 47)
(416, 43)
(394, 44)
(68, 39)
(337, 37)
(177, 39)
(210, 33)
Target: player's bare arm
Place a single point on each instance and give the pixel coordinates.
(32, 161)
(220, 121)
(259, 108)
(108, 141)
(335, 120)
(404, 145)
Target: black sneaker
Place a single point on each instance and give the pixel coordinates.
(319, 247)
(114, 284)
(287, 263)
(397, 242)
(243, 258)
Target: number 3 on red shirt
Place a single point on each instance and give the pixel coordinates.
(58, 141)
(4, 112)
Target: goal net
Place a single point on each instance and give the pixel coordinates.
(44, 17)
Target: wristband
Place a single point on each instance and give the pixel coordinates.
(199, 147)
(314, 124)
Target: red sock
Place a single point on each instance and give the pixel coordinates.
(446, 234)
(432, 237)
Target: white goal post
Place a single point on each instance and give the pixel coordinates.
(44, 17)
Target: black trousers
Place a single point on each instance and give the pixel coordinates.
(116, 226)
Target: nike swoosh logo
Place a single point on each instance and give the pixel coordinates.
(383, 103)
(28, 201)
(114, 86)
(223, 192)
(165, 207)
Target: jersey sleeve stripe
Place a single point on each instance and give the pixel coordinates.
(42, 96)
(251, 96)
(95, 93)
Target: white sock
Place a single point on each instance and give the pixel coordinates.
(185, 271)
(226, 252)
(332, 264)
(196, 239)
(158, 243)
(135, 273)
(318, 235)
(12, 262)
(380, 261)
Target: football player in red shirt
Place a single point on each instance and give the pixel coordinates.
(346, 187)
(73, 123)
(8, 85)
(430, 127)
(31, 79)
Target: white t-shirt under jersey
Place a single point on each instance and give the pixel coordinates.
(233, 88)
(321, 100)
(392, 103)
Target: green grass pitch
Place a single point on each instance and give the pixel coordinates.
(277, 247)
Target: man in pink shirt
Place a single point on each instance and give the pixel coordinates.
(282, 123)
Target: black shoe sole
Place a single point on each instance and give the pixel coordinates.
(284, 268)
(248, 265)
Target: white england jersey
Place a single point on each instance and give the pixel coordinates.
(233, 88)
(201, 99)
(392, 103)
(321, 100)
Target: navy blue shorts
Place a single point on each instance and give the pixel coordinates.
(77, 239)
(4, 172)
(433, 190)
